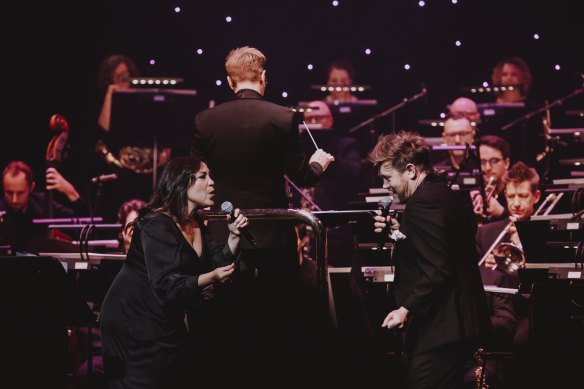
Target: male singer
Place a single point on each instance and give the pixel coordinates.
(438, 289)
(249, 144)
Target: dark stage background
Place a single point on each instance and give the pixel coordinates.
(51, 55)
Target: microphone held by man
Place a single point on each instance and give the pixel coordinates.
(384, 205)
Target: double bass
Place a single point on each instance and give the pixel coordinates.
(54, 155)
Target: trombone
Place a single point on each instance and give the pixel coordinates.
(509, 258)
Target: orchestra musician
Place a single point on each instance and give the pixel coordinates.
(22, 204)
(494, 154)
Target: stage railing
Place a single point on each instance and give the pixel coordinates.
(319, 243)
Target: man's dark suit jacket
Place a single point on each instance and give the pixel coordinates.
(437, 277)
(249, 144)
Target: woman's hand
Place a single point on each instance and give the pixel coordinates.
(236, 225)
(222, 274)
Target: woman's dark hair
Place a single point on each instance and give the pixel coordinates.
(170, 194)
(107, 67)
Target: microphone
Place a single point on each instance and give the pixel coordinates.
(104, 178)
(384, 204)
(228, 209)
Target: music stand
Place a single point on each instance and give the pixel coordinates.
(544, 242)
(153, 118)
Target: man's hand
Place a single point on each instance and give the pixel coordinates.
(322, 158)
(396, 318)
(55, 181)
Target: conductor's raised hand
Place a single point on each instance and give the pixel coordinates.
(322, 158)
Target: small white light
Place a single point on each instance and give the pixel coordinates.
(360, 89)
(434, 124)
(143, 82)
(309, 66)
(335, 3)
(441, 124)
(199, 51)
(407, 66)
(454, 1)
(536, 36)
(228, 19)
(442, 115)
(339, 89)
(152, 62)
(218, 82)
(323, 88)
(353, 89)
(458, 43)
(481, 90)
(367, 51)
(473, 90)
(284, 94)
(165, 82)
(172, 82)
(557, 67)
(150, 82)
(577, 163)
(157, 82)
(577, 133)
(177, 9)
(485, 84)
(421, 3)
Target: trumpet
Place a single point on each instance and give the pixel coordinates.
(509, 258)
(489, 191)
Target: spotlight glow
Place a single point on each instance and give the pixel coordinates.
(152, 62)
(284, 94)
(536, 36)
(407, 66)
(218, 83)
(421, 3)
(177, 9)
(310, 67)
(485, 84)
(335, 3)
(228, 19)
(199, 51)
(367, 51)
(557, 67)
(454, 1)
(458, 43)
(442, 115)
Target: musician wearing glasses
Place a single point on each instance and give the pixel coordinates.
(458, 132)
(442, 308)
(494, 153)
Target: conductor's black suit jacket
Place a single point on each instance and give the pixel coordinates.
(437, 277)
(249, 144)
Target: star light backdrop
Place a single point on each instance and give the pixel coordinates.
(54, 52)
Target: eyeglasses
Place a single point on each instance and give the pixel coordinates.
(492, 161)
(462, 134)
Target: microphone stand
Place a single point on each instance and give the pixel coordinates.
(388, 111)
(538, 111)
